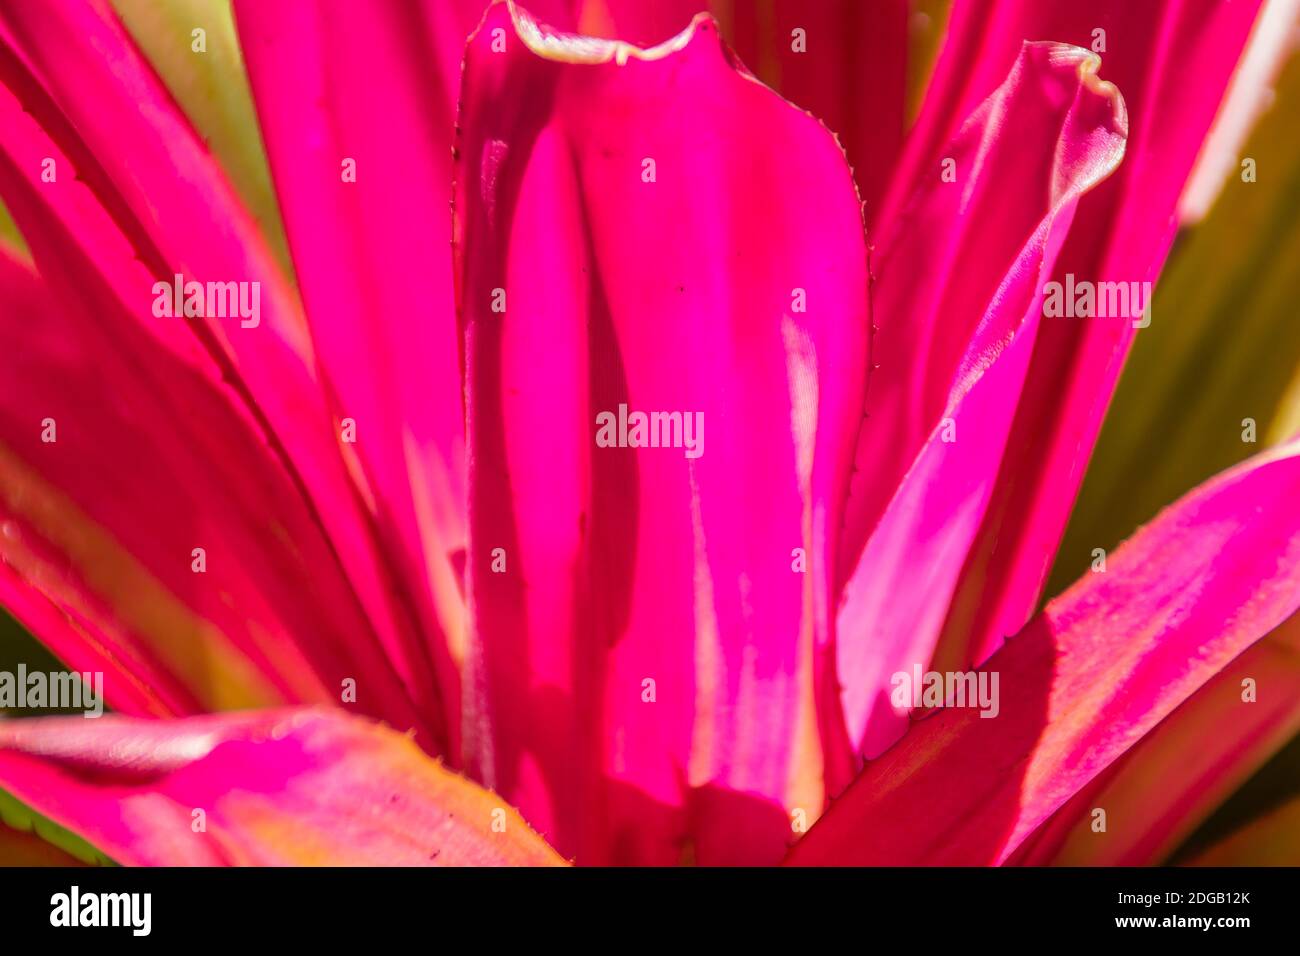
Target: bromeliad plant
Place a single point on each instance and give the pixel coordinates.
(382, 507)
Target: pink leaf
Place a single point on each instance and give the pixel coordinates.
(358, 115)
(653, 231)
(1173, 61)
(959, 301)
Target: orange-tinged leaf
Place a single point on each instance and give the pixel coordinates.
(296, 787)
(1160, 791)
(1084, 682)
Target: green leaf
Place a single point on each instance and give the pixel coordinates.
(19, 816)
(9, 230)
